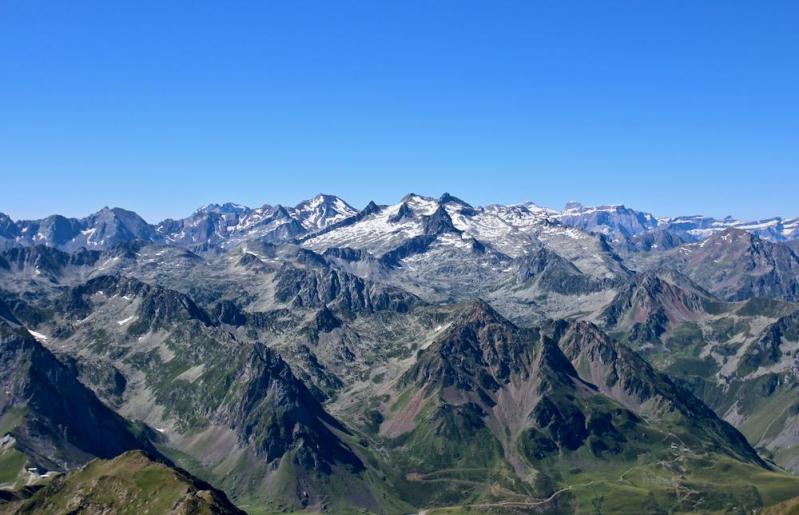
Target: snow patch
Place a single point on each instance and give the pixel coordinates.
(39, 336)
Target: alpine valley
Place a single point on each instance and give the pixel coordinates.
(428, 356)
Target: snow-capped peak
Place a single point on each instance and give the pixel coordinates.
(322, 211)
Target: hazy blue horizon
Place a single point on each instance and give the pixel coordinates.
(671, 108)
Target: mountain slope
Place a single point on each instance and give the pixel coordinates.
(735, 265)
(231, 411)
(504, 227)
(228, 224)
(617, 222)
(627, 378)
(490, 400)
(742, 266)
(131, 483)
(321, 358)
(652, 303)
(102, 229)
(55, 421)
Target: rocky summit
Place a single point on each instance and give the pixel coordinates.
(426, 356)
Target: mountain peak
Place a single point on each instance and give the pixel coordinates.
(222, 225)
(322, 211)
(446, 198)
(371, 208)
(317, 200)
(735, 233)
(439, 222)
(478, 309)
(731, 238)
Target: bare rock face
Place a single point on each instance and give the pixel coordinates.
(158, 308)
(319, 286)
(550, 272)
(618, 222)
(41, 259)
(325, 320)
(439, 222)
(649, 305)
(737, 265)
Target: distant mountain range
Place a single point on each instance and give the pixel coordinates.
(223, 224)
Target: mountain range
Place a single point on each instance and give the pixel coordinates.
(428, 355)
(224, 224)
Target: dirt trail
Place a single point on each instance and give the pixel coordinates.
(510, 504)
(679, 453)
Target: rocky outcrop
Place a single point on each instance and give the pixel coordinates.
(648, 305)
(317, 287)
(158, 307)
(438, 223)
(768, 349)
(548, 271)
(41, 259)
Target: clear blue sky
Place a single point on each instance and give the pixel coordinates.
(161, 106)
